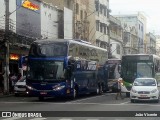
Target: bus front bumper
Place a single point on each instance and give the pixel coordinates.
(49, 93)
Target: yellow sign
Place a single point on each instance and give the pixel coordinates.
(30, 5)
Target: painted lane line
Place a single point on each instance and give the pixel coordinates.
(125, 103)
(12, 118)
(38, 119)
(85, 99)
(92, 119)
(65, 119)
(75, 103)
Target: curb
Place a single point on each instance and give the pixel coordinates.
(3, 96)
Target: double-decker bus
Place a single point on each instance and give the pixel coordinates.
(65, 68)
(114, 69)
(138, 65)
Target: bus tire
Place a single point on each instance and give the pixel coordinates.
(41, 98)
(127, 94)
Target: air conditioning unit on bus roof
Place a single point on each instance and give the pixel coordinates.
(82, 41)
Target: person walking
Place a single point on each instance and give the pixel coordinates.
(119, 90)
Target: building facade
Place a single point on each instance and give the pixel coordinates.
(158, 45)
(151, 43)
(29, 20)
(116, 41)
(98, 17)
(49, 21)
(139, 22)
(81, 28)
(130, 41)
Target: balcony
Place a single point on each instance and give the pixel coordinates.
(116, 37)
(115, 20)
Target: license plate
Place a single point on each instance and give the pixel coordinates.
(143, 95)
(43, 93)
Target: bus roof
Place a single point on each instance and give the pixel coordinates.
(76, 41)
(139, 55)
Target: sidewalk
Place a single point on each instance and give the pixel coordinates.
(1, 95)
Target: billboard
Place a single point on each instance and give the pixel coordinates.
(28, 18)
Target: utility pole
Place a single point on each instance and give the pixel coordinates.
(6, 40)
(109, 47)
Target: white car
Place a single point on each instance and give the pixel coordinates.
(20, 87)
(144, 89)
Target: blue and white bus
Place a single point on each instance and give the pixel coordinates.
(65, 68)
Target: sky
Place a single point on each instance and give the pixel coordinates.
(149, 8)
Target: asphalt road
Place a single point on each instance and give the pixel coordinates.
(102, 107)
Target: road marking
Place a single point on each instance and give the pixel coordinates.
(12, 118)
(38, 119)
(120, 119)
(68, 103)
(85, 99)
(65, 119)
(125, 102)
(16, 118)
(92, 119)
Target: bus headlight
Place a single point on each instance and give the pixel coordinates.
(58, 87)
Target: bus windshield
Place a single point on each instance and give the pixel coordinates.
(48, 50)
(138, 69)
(46, 70)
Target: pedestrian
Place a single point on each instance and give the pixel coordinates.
(1, 82)
(19, 76)
(119, 90)
(13, 82)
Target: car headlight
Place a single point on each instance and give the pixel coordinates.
(58, 87)
(154, 90)
(30, 88)
(134, 91)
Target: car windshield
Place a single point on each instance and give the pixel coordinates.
(144, 82)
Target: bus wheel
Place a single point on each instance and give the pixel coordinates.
(41, 98)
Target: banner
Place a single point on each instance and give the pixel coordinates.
(40, 114)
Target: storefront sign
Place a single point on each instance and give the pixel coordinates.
(29, 5)
(14, 57)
